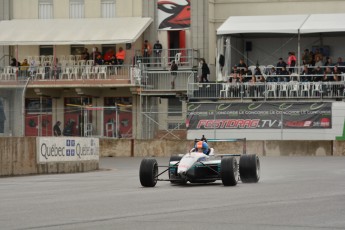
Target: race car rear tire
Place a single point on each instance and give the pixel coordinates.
(148, 172)
(229, 171)
(249, 168)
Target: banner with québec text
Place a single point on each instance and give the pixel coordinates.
(62, 149)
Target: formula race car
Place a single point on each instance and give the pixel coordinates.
(200, 167)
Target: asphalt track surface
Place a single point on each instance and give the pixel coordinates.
(293, 193)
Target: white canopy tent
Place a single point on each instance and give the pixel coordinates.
(72, 31)
(295, 25)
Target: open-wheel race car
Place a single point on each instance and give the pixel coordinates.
(203, 166)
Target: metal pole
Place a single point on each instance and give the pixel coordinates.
(281, 127)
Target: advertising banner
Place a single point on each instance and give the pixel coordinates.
(173, 14)
(62, 149)
(259, 116)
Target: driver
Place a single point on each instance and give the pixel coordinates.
(202, 147)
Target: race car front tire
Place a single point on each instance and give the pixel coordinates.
(249, 168)
(148, 172)
(229, 171)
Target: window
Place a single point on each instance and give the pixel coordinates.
(174, 107)
(45, 9)
(108, 8)
(77, 49)
(46, 50)
(76, 8)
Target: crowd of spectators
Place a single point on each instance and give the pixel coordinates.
(315, 68)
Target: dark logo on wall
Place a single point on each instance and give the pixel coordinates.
(173, 14)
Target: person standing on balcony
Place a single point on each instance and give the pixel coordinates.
(56, 128)
(173, 73)
(120, 56)
(95, 54)
(291, 61)
(146, 52)
(157, 52)
(85, 55)
(306, 57)
(204, 71)
(24, 68)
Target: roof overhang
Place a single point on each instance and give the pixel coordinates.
(72, 31)
(283, 24)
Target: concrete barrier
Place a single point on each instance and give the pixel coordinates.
(18, 154)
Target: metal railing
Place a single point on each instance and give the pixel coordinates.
(185, 58)
(267, 90)
(165, 80)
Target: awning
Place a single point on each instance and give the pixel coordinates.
(262, 24)
(72, 31)
(324, 23)
(292, 24)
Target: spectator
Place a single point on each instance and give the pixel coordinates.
(95, 53)
(272, 75)
(242, 64)
(319, 55)
(340, 64)
(318, 74)
(328, 75)
(235, 75)
(281, 63)
(120, 56)
(146, 52)
(291, 61)
(336, 73)
(157, 52)
(14, 63)
(99, 60)
(204, 71)
(85, 54)
(246, 74)
(306, 57)
(258, 75)
(113, 63)
(284, 75)
(173, 73)
(24, 68)
(32, 68)
(329, 61)
(305, 75)
(56, 129)
(318, 62)
(108, 55)
(312, 58)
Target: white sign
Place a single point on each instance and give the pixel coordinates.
(62, 149)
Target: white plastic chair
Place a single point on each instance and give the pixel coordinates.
(66, 71)
(305, 89)
(87, 72)
(283, 88)
(225, 90)
(178, 58)
(41, 71)
(316, 89)
(74, 73)
(271, 88)
(102, 71)
(6, 73)
(294, 89)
